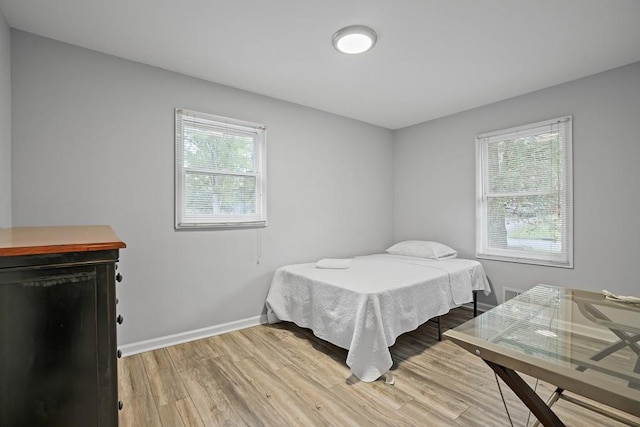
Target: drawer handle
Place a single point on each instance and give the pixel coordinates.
(120, 319)
(119, 277)
(120, 405)
(119, 354)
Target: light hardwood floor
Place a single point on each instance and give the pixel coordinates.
(282, 375)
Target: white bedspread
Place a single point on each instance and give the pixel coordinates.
(366, 307)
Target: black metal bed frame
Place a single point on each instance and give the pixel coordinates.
(475, 313)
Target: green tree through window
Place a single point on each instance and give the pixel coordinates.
(219, 163)
(524, 193)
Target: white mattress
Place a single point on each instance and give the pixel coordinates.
(365, 307)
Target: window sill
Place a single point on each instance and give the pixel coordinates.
(530, 261)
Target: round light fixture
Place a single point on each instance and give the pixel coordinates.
(354, 39)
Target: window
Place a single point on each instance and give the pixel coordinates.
(220, 172)
(524, 194)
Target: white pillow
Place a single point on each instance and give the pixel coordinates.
(423, 249)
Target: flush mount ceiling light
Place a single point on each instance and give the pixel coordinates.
(354, 39)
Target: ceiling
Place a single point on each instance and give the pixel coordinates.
(433, 57)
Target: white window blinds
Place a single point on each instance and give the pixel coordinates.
(220, 168)
(524, 194)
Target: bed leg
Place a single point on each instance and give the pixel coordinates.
(475, 303)
(439, 330)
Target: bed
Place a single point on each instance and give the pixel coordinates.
(365, 304)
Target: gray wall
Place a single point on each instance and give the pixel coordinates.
(93, 144)
(434, 166)
(5, 123)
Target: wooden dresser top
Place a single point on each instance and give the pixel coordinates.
(48, 240)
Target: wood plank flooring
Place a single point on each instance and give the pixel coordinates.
(282, 375)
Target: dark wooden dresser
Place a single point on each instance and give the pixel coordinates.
(58, 354)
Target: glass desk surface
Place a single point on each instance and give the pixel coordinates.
(577, 340)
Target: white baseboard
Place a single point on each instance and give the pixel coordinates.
(482, 307)
(182, 337)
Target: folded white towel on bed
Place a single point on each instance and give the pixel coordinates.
(337, 263)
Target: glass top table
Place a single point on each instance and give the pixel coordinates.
(577, 340)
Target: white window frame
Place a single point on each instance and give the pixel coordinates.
(565, 257)
(185, 118)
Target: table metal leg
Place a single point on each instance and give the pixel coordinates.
(550, 401)
(626, 338)
(636, 369)
(529, 397)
